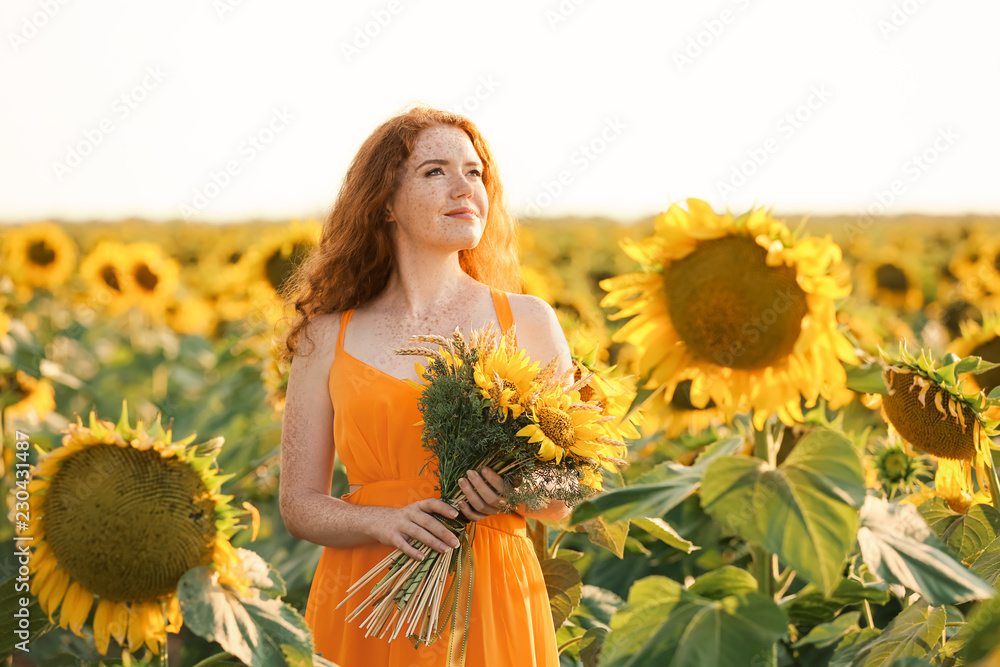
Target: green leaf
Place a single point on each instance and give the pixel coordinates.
(606, 534)
(987, 563)
(663, 624)
(658, 491)
(898, 546)
(866, 379)
(723, 582)
(825, 634)
(591, 646)
(563, 584)
(805, 511)
(851, 645)
(31, 613)
(598, 604)
(662, 531)
(915, 632)
(811, 607)
(966, 534)
(982, 631)
(994, 393)
(260, 632)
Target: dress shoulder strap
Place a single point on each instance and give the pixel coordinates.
(502, 305)
(345, 317)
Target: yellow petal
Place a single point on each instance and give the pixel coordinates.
(101, 630)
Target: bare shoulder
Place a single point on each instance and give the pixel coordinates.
(318, 338)
(538, 329)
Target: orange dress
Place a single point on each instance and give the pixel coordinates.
(373, 426)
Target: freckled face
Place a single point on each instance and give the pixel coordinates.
(442, 175)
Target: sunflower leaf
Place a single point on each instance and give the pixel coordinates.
(564, 586)
(657, 492)
(966, 534)
(805, 510)
(664, 624)
(866, 379)
(914, 633)
(260, 632)
(987, 563)
(899, 547)
(664, 532)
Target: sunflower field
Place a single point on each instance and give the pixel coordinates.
(812, 410)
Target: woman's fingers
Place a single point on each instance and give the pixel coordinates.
(470, 513)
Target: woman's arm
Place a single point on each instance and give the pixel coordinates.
(307, 452)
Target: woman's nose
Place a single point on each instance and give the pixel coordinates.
(462, 187)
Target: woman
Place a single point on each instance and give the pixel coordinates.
(418, 241)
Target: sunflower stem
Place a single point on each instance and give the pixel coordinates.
(214, 659)
(762, 559)
(994, 482)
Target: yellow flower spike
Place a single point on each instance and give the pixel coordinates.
(155, 630)
(174, 619)
(118, 621)
(136, 627)
(254, 519)
(53, 591)
(102, 618)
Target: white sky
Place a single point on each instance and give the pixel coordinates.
(887, 80)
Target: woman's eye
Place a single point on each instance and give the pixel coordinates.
(477, 173)
(432, 171)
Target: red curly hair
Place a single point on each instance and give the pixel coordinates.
(356, 254)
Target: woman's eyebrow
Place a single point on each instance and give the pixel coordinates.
(475, 163)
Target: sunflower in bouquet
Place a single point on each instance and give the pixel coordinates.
(486, 404)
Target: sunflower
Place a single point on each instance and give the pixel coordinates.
(104, 271)
(192, 315)
(31, 398)
(150, 278)
(119, 514)
(898, 469)
(272, 261)
(891, 281)
(614, 395)
(928, 407)
(39, 255)
(565, 425)
(741, 307)
(503, 374)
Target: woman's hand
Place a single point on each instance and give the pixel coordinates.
(481, 492)
(399, 526)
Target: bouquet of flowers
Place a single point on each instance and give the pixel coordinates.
(484, 404)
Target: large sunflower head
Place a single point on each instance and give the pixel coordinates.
(927, 405)
(740, 306)
(26, 397)
(39, 255)
(118, 515)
